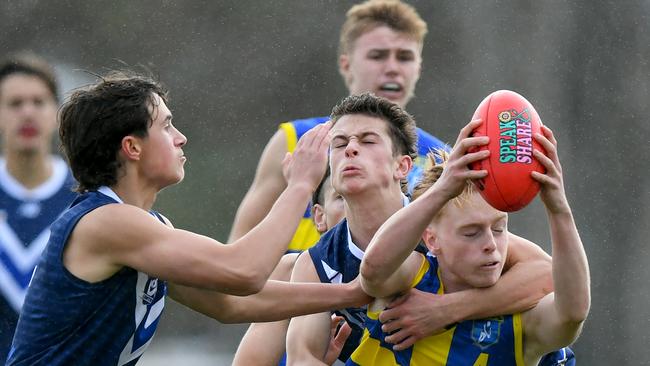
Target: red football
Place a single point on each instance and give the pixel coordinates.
(510, 121)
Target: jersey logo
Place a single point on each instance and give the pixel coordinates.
(485, 332)
(150, 301)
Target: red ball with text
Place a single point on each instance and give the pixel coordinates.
(511, 122)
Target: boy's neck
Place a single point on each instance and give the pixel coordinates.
(30, 170)
(366, 213)
(133, 194)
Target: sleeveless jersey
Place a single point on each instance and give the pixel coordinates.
(487, 342)
(68, 321)
(306, 234)
(337, 260)
(25, 218)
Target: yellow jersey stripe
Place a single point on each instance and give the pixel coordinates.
(292, 137)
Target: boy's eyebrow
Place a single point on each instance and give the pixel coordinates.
(339, 134)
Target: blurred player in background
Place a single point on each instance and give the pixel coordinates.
(35, 184)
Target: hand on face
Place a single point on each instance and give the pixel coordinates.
(309, 160)
(457, 171)
(552, 191)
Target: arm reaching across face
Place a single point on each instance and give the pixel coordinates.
(385, 270)
(418, 314)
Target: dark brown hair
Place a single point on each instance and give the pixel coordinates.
(401, 125)
(96, 119)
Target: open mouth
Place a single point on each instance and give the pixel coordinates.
(391, 87)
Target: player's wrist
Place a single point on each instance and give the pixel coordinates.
(354, 295)
(459, 307)
(439, 195)
(301, 187)
(561, 210)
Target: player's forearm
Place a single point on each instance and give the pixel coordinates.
(519, 289)
(282, 300)
(278, 300)
(273, 234)
(399, 282)
(570, 269)
(398, 237)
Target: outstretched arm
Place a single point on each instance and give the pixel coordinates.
(118, 235)
(278, 300)
(265, 189)
(557, 320)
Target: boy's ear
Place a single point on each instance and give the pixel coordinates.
(344, 69)
(318, 215)
(131, 147)
(429, 239)
(404, 166)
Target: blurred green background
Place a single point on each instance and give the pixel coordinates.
(237, 68)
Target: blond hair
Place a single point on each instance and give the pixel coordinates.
(364, 17)
(436, 162)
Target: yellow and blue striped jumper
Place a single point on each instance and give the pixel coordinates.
(487, 342)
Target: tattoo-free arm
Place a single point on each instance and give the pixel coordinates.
(557, 320)
(278, 300)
